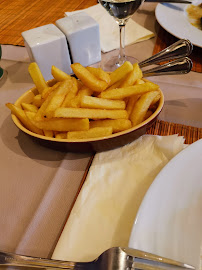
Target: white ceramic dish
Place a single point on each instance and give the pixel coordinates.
(169, 220)
(173, 18)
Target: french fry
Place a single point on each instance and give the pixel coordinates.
(141, 107)
(120, 72)
(59, 124)
(37, 101)
(90, 113)
(117, 125)
(121, 93)
(100, 103)
(48, 133)
(29, 107)
(62, 135)
(41, 111)
(91, 133)
(21, 115)
(46, 92)
(88, 79)
(139, 81)
(155, 100)
(132, 77)
(130, 104)
(37, 77)
(58, 97)
(129, 79)
(100, 74)
(80, 84)
(76, 101)
(71, 94)
(115, 85)
(59, 75)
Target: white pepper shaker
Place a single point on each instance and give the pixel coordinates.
(83, 37)
(47, 46)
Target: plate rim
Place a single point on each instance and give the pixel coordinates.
(158, 10)
(134, 232)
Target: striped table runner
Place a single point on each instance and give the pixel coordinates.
(191, 134)
(17, 16)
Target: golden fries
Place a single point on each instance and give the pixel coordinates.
(29, 107)
(62, 135)
(117, 125)
(94, 105)
(100, 103)
(100, 74)
(88, 78)
(46, 92)
(120, 72)
(130, 104)
(37, 101)
(132, 77)
(71, 94)
(37, 77)
(141, 107)
(58, 97)
(21, 115)
(48, 133)
(90, 113)
(59, 124)
(76, 101)
(120, 93)
(91, 133)
(59, 75)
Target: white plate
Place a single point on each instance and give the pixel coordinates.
(169, 220)
(172, 17)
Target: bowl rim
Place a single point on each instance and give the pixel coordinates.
(114, 135)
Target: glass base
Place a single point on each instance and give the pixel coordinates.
(110, 64)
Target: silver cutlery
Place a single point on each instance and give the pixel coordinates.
(116, 258)
(179, 49)
(179, 66)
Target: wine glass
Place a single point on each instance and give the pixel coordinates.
(121, 11)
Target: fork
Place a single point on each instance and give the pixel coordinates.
(116, 258)
(179, 49)
(179, 66)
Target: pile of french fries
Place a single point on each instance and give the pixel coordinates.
(92, 104)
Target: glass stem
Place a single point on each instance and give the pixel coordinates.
(122, 44)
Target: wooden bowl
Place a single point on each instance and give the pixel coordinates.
(91, 145)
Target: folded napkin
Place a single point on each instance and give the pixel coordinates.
(109, 31)
(105, 209)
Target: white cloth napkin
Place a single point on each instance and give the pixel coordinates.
(105, 209)
(109, 30)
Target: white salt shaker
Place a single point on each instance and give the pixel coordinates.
(47, 46)
(83, 37)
